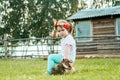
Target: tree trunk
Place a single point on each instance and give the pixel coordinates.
(5, 45)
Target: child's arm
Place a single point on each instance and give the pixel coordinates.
(67, 51)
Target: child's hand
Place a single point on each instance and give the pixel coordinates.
(63, 59)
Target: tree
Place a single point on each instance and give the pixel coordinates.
(100, 3)
(27, 18)
(116, 2)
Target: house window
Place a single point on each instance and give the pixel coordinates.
(84, 31)
(118, 27)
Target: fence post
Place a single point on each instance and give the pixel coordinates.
(5, 45)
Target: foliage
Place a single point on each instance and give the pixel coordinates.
(34, 69)
(33, 18)
(98, 3)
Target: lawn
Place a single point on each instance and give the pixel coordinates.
(34, 69)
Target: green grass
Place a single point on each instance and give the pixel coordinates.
(34, 69)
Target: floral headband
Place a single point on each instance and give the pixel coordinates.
(65, 25)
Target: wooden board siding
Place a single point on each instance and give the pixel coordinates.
(86, 48)
(101, 45)
(104, 27)
(99, 48)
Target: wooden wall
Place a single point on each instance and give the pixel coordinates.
(104, 27)
(104, 43)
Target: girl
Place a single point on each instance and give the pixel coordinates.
(68, 45)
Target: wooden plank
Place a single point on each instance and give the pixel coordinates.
(103, 39)
(87, 50)
(108, 43)
(82, 45)
(103, 22)
(103, 29)
(84, 53)
(99, 27)
(112, 35)
(87, 47)
(108, 52)
(97, 56)
(103, 32)
(108, 48)
(97, 43)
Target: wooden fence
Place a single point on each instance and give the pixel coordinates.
(102, 45)
(29, 47)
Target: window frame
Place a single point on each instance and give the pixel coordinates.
(117, 31)
(91, 31)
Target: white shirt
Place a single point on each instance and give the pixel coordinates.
(69, 40)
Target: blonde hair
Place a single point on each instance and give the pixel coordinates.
(70, 25)
(54, 33)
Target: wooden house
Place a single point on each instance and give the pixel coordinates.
(98, 31)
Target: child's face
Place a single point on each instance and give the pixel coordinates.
(62, 31)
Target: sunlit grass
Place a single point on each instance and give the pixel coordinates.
(34, 69)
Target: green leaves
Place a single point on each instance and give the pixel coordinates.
(28, 18)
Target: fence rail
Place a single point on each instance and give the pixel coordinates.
(40, 47)
(30, 47)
